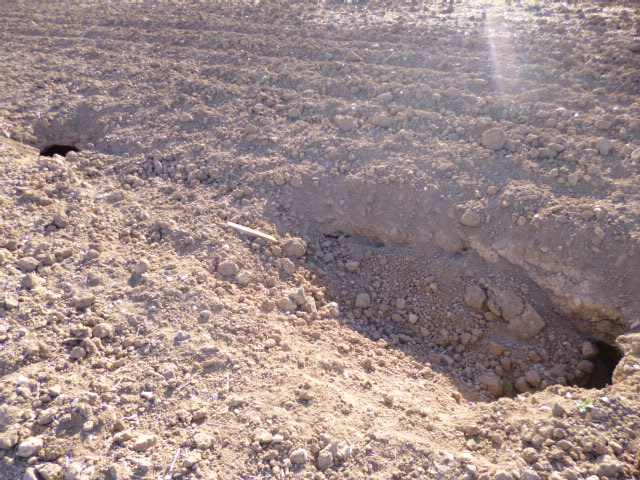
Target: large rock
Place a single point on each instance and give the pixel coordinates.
(526, 325)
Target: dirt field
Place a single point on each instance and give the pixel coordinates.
(445, 278)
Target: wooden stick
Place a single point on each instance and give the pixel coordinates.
(251, 231)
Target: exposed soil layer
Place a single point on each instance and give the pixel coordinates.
(442, 277)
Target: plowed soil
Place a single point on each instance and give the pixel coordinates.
(289, 240)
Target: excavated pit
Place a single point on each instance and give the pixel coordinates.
(437, 291)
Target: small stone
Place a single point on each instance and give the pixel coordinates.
(494, 138)
(295, 248)
(363, 300)
(589, 350)
(84, 301)
(325, 459)
(526, 325)
(346, 123)
(491, 383)
(533, 378)
(262, 436)
(604, 146)
(227, 268)
(475, 297)
(28, 264)
(635, 156)
(102, 330)
(352, 266)
(203, 441)
(144, 443)
(191, 459)
(60, 220)
(382, 120)
(50, 471)
(558, 410)
(299, 456)
(521, 385)
(530, 455)
(609, 466)
(77, 353)
(502, 476)
(288, 266)
(30, 446)
(30, 474)
(496, 349)
(529, 475)
(8, 440)
(471, 218)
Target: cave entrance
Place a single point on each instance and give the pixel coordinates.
(604, 365)
(58, 149)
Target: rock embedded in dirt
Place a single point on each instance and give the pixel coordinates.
(262, 436)
(475, 297)
(8, 439)
(143, 443)
(30, 446)
(28, 264)
(299, 456)
(50, 471)
(589, 350)
(102, 330)
(325, 459)
(84, 301)
(526, 325)
(203, 441)
(471, 218)
(492, 383)
(494, 138)
(227, 268)
(295, 248)
(363, 300)
(346, 122)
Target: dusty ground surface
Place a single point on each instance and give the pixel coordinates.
(453, 195)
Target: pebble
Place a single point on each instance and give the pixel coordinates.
(346, 123)
(262, 436)
(471, 218)
(526, 325)
(533, 378)
(144, 443)
(475, 297)
(530, 455)
(363, 300)
(102, 330)
(494, 138)
(325, 459)
(60, 220)
(491, 383)
(503, 476)
(203, 441)
(84, 301)
(30, 446)
(50, 471)
(558, 410)
(8, 440)
(635, 156)
(589, 350)
(227, 268)
(299, 456)
(295, 248)
(27, 264)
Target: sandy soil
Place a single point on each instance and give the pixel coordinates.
(444, 279)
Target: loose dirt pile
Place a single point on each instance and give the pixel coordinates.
(445, 280)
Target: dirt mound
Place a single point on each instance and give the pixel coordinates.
(319, 241)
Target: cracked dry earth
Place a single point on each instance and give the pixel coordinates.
(444, 279)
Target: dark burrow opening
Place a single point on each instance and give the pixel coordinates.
(604, 365)
(57, 149)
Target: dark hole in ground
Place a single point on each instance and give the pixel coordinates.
(604, 364)
(57, 149)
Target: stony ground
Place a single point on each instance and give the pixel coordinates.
(443, 271)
